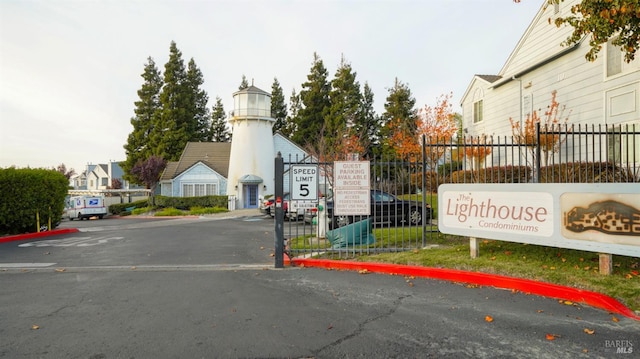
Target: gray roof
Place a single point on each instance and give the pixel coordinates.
(253, 89)
(215, 155)
(490, 78)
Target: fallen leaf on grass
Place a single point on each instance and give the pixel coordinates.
(488, 319)
(589, 331)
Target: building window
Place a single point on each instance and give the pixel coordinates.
(105, 181)
(616, 63)
(623, 146)
(477, 111)
(199, 189)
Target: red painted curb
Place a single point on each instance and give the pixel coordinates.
(20, 237)
(593, 299)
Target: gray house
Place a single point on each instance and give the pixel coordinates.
(201, 171)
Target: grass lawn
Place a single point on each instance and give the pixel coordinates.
(567, 267)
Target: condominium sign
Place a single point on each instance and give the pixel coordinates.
(351, 192)
(601, 217)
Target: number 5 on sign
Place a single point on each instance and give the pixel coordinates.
(304, 182)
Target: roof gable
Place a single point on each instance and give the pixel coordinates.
(541, 40)
(214, 155)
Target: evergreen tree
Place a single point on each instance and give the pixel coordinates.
(368, 125)
(278, 107)
(147, 110)
(219, 131)
(199, 117)
(345, 98)
(400, 107)
(315, 105)
(400, 116)
(243, 84)
(295, 105)
(171, 134)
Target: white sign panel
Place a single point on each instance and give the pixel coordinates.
(352, 190)
(352, 202)
(509, 212)
(304, 182)
(351, 174)
(597, 217)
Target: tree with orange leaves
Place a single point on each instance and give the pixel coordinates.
(476, 150)
(438, 125)
(550, 126)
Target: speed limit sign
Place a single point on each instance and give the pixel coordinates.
(304, 182)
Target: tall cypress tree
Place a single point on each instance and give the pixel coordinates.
(368, 124)
(171, 135)
(295, 105)
(278, 106)
(315, 100)
(219, 131)
(345, 98)
(147, 110)
(399, 107)
(199, 118)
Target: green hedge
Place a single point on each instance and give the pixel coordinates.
(188, 202)
(121, 208)
(26, 192)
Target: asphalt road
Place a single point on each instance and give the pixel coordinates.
(207, 288)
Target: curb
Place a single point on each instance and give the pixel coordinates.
(20, 237)
(593, 299)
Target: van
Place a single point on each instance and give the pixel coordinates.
(82, 207)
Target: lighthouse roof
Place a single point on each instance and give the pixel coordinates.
(252, 89)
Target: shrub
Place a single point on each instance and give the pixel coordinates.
(188, 202)
(170, 211)
(196, 211)
(25, 194)
(120, 208)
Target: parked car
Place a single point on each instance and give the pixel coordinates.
(290, 213)
(265, 205)
(386, 209)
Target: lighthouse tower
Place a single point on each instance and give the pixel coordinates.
(251, 162)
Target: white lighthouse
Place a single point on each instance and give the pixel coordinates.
(251, 162)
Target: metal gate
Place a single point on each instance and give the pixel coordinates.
(403, 191)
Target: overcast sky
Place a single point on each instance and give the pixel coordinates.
(70, 70)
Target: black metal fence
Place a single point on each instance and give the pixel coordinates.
(403, 189)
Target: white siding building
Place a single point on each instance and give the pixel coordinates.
(603, 92)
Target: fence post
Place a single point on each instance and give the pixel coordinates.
(279, 214)
(424, 192)
(538, 152)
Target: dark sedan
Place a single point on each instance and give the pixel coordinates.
(386, 209)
